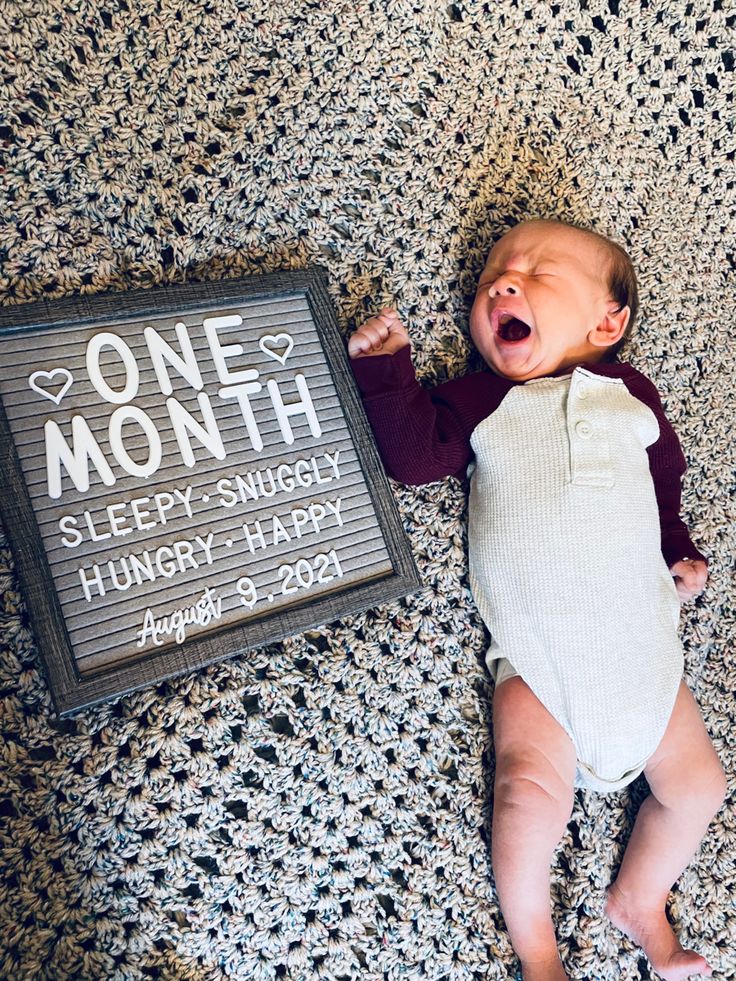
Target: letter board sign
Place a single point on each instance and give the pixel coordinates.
(187, 472)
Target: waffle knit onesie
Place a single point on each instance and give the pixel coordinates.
(573, 524)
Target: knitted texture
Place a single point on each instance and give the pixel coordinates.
(567, 570)
(320, 809)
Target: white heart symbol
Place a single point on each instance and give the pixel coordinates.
(49, 376)
(270, 345)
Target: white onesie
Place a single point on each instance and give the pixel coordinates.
(567, 570)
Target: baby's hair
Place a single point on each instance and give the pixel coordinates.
(621, 280)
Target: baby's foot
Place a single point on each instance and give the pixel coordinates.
(651, 930)
(548, 970)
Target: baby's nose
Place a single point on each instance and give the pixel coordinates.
(505, 285)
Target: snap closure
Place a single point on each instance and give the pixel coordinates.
(584, 429)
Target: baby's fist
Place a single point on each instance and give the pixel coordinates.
(383, 334)
(690, 576)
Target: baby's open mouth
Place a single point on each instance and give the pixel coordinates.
(510, 328)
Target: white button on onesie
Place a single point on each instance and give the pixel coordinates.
(567, 570)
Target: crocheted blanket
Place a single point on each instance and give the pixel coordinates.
(320, 808)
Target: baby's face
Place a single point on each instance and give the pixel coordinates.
(539, 301)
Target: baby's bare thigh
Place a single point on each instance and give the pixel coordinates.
(685, 761)
(528, 741)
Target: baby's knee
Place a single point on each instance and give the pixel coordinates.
(528, 781)
(700, 789)
(711, 787)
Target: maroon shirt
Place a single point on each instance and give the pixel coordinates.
(424, 435)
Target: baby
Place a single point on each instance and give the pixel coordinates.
(578, 561)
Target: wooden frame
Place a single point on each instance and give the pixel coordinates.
(76, 613)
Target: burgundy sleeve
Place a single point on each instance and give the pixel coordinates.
(667, 465)
(423, 435)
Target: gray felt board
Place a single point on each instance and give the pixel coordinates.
(188, 473)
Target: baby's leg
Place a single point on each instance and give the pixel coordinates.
(532, 802)
(688, 786)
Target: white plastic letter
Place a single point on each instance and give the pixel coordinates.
(228, 499)
(94, 580)
(76, 459)
(132, 413)
(108, 339)
(68, 524)
(184, 423)
(304, 407)
(220, 353)
(161, 352)
(241, 393)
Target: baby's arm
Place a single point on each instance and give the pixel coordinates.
(422, 435)
(687, 565)
(667, 465)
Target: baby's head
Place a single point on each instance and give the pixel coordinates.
(552, 296)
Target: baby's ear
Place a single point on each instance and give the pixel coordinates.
(611, 328)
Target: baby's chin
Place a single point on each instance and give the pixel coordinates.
(516, 372)
(527, 369)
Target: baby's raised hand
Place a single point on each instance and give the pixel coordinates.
(690, 576)
(382, 334)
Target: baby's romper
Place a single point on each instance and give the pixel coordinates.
(567, 570)
(572, 528)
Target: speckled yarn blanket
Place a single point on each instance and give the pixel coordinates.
(320, 808)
